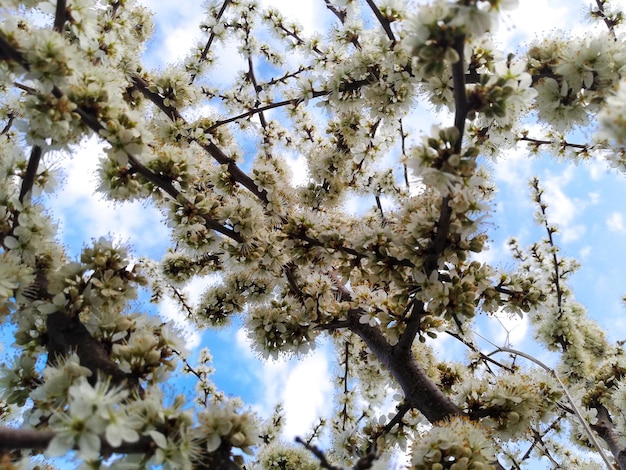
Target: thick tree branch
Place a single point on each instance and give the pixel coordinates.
(419, 390)
(65, 334)
(461, 107)
(606, 430)
(24, 439)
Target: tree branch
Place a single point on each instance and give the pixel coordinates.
(60, 15)
(210, 147)
(383, 21)
(28, 180)
(602, 14)
(606, 430)
(65, 334)
(461, 107)
(419, 390)
(92, 122)
(24, 438)
(278, 104)
(207, 47)
(412, 327)
(460, 115)
(7, 127)
(257, 88)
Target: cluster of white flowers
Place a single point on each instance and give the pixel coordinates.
(455, 444)
(92, 411)
(573, 77)
(511, 404)
(280, 455)
(290, 259)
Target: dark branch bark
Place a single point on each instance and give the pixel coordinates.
(382, 20)
(31, 172)
(341, 14)
(460, 115)
(606, 430)
(412, 328)
(419, 390)
(210, 147)
(253, 80)
(23, 438)
(92, 122)
(60, 15)
(461, 107)
(609, 23)
(324, 463)
(7, 127)
(65, 334)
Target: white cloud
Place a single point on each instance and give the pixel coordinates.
(615, 222)
(562, 209)
(306, 395)
(299, 169)
(176, 28)
(585, 252)
(514, 169)
(573, 233)
(303, 386)
(534, 18)
(597, 168)
(307, 13)
(84, 215)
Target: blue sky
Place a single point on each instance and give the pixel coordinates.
(585, 200)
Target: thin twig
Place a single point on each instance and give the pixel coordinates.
(267, 107)
(346, 371)
(577, 412)
(555, 260)
(403, 409)
(316, 451)
(403, 137)
(207, 47)
(482, 355)
(609, 23)
(257, 89)
(7, 127)
(538, 437)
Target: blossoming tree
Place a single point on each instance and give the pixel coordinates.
(87, 381)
